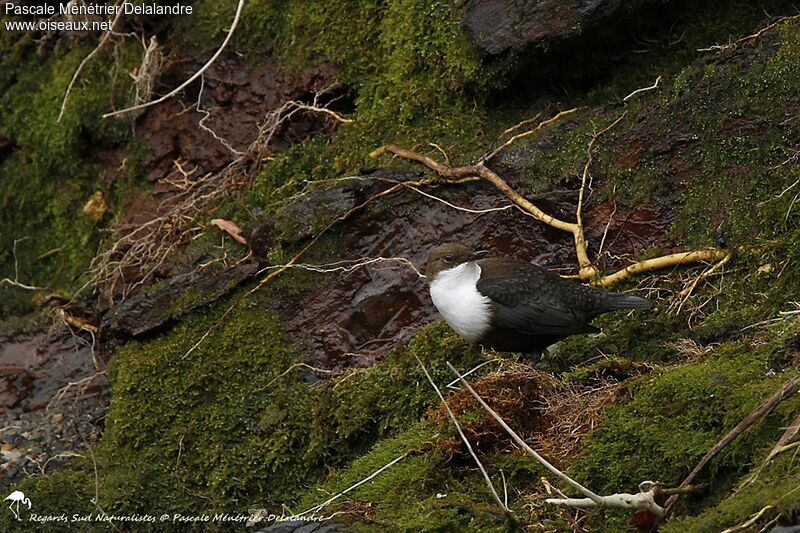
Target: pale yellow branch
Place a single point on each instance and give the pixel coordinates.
(587, 271)
(524, 134)
(657, 263)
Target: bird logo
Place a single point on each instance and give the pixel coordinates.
(16, 498)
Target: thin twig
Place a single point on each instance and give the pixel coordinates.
(450, 385)
(486, 477)
(345, 265)
(296, 365)
(522, 135)
(780, 447)
(762, 410)
(372, 476)
(759, 33)
(585, 177)
(643, 89)
(15, 282)
(194, 76)
(86, 59)
(459, 208)
(753, 519)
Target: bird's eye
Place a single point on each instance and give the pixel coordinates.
(448, 258)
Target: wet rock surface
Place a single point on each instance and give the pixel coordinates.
(235, 99)
(320, 205)
(148, 311)
(44, 419)
(495, 26)
(357, 317)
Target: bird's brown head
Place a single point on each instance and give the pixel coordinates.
(449, 255)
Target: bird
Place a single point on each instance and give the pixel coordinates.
(511, 305)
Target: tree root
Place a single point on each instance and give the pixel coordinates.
(587, 272)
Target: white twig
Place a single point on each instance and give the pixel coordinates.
(296, 365)
(753, 519)
(459, 208)
(787, 189)
(345, 265)
(464, 438)
(15, 282)
(206, 115)
(643, 89)
(450, 385)
(372, 476)
(208, 332)
(86, 59)
(643, 501)
(194, 76)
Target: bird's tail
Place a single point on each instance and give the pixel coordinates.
(614, 301)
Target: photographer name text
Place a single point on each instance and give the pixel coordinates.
(70, 10)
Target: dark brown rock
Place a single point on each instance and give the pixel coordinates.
(499, 25)
(150, 310)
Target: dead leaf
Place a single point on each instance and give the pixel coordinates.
(96, 208)
(231, 228)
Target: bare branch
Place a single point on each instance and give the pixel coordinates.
(762, 410)
(642, 501)
(643, 89)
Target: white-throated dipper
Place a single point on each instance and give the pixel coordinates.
(510, 305)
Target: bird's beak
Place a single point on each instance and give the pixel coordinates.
(480, 254)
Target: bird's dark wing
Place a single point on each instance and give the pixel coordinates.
(533, 301)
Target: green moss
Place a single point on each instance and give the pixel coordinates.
(776, 486)
(223, 428)
(67, 492)
(674, 417)
(425, 491)
(53, 169)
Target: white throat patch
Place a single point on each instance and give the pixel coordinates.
(455, 295)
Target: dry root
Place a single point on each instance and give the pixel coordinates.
(141, 248)
(586, 270)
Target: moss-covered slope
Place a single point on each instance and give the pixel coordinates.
(235, 423)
